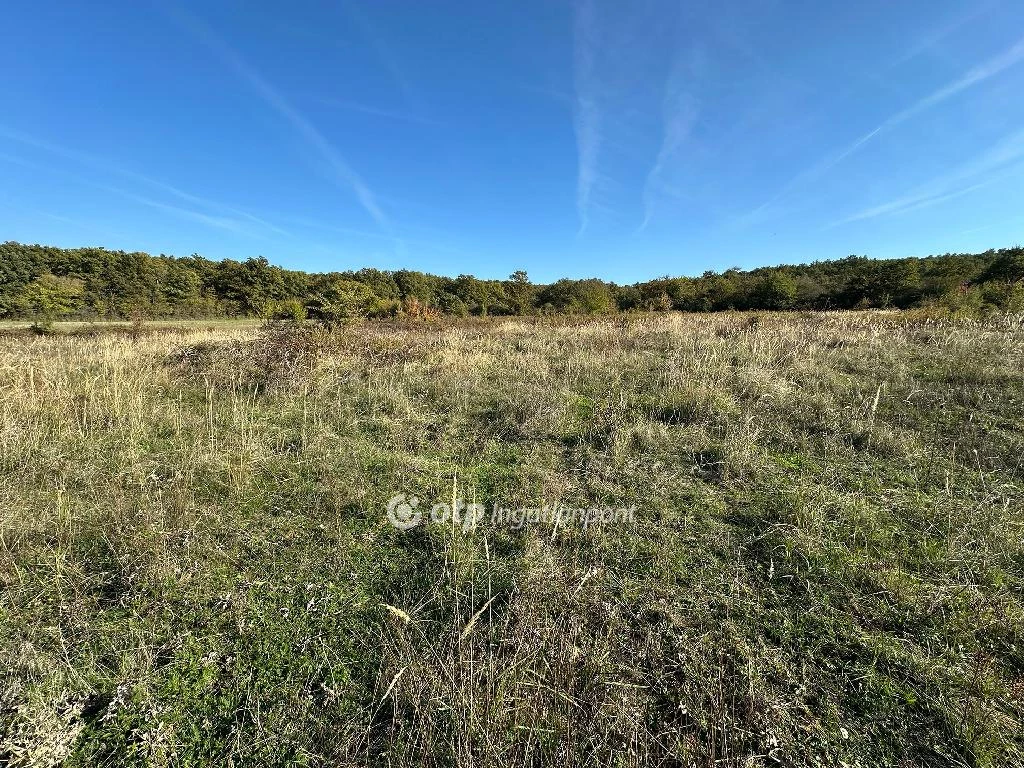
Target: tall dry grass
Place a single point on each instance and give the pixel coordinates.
(825, 566)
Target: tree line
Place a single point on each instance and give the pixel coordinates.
(44, 284)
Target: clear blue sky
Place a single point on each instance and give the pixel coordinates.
(623, 140)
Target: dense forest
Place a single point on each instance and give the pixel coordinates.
(46, 284)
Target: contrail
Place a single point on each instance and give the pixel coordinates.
(978, 74)
(343, 172)
(587, 115)
(106, 166)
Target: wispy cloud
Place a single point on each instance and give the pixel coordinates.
(14, 160)
(587, 113)
(978, 74)
(384, 52)
(679, 113)
(110, 168)
(367, 109)
(341, 172)
(563, 98)
(102, 228)
(418, 243)
(997, 163)
(207, 203)
(220, 222)
(936, 35)
(912, 202)
(973, 77)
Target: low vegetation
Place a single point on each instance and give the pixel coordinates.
(825, 565)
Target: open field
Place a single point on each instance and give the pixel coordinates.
(72, 326)
(825, 565)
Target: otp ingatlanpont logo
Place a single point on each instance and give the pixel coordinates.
(403, 512)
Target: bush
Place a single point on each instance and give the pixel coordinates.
(279, 358)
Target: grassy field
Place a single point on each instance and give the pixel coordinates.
(825, 565)
(82, 326)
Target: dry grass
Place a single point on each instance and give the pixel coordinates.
(825, 567)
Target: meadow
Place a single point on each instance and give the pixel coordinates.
(825, 565)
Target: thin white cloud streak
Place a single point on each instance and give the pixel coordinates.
(343, 173)
(206, 202)
(940, 33)
(22, 162)
(978, 74)
(561, 97)
(220, 222)
(237, 225)
(679, 113)
(105, 166)
(384, 53)
(911, 203)
(367, 109)
(995, 164)
(82, 224)
(586, 113)
(971, 78)
(425, 244)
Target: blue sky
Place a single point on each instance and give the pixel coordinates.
(588, 138)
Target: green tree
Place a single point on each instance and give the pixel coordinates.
(251, 286)
(335, 299)
(49, 298)
(519, 293)
(588, 297)
(1007, 267)
(775, 290)
(716, 292)
(416, 285)
(474, 293)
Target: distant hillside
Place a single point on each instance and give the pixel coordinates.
(41, 282)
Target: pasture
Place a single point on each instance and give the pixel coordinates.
(824, 563)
